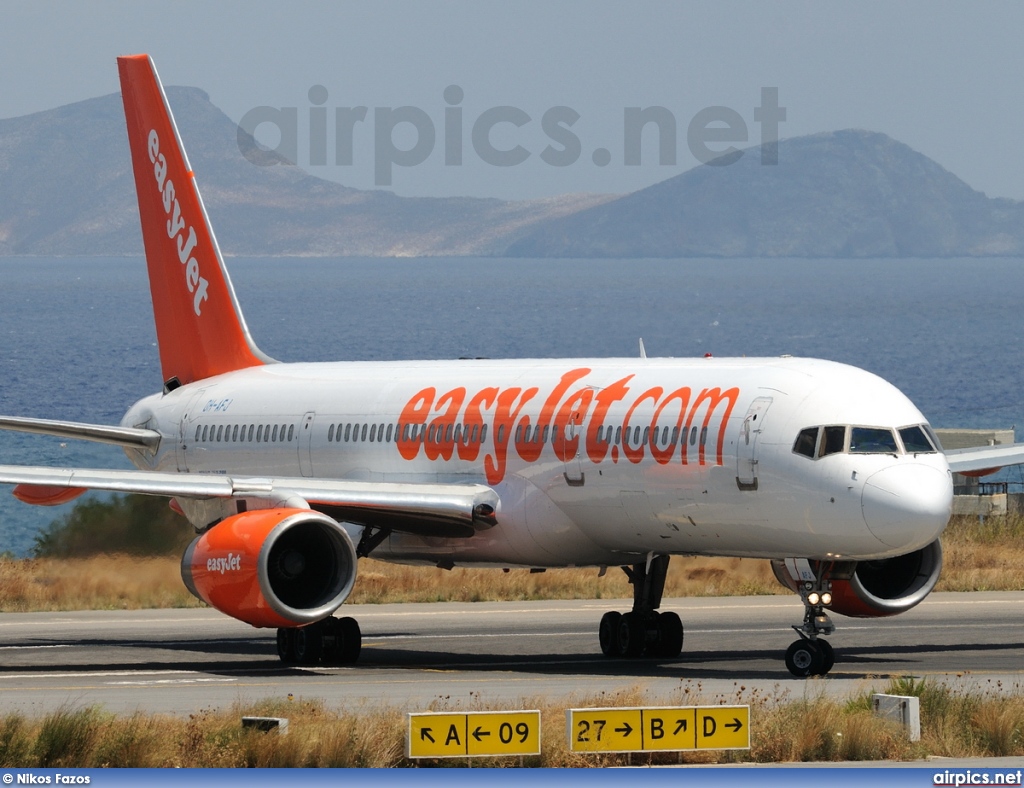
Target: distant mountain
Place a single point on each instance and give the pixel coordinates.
(841, 194)
(66, 187)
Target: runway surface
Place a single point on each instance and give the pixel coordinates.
(415, 655)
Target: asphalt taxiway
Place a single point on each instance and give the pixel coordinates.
(415, 655)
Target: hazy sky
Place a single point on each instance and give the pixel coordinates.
(944, 77)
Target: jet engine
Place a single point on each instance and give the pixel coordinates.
(272, 567)
(872, 589)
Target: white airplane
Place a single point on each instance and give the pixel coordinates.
(291, 472)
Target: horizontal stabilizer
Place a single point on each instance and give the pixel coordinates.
(129, 437)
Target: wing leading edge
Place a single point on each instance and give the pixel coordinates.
(984, 459)
(423, 509)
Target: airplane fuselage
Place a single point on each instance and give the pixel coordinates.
(595, 461)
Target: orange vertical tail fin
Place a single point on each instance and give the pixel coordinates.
(199, 327)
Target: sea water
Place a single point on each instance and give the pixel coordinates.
(78, 341)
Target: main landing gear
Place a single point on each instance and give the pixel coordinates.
(643, 631)
(333, 641)
(810, 655)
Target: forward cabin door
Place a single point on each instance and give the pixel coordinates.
(746, 445)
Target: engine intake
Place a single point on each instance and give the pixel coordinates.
(272, 567)
(873, 589)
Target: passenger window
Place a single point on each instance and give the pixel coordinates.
(373, 433)
(291, 432)
(251, 428)
(273, 436)
(675, 435)
(259, 434)
(391, 430)
(220, 433)
(618, 435)
(915, 441)
(703, 436)
(330, 434)
(872, 440)
(693, 435)
(806, 441)
(483, 433)
(834, 441)
(362, 433)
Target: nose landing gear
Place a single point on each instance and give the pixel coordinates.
(810, 655)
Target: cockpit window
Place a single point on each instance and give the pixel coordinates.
(834, 441)
(915, 441)
(806, 441)
(872, 440)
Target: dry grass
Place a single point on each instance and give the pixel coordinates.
(985, 556)
(110, 582)
(814, 729)
(127, 582)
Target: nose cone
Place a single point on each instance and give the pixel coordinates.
(907, 505)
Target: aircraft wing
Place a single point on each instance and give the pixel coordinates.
(425, 509)
(978, 461)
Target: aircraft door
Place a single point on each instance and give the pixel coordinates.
(573, 465)
(306, 444)
(746, 444)
(186, 432)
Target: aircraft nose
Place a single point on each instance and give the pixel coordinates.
(907, 504)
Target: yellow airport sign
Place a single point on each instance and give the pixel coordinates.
(670, 728)
(604, 730)
(503, 732)
(478, 733)
(723, 728)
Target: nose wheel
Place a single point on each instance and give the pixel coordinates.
(806, 657)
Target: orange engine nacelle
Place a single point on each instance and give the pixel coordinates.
(872, 589)
(272, 567)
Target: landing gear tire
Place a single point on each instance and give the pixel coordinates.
(805, 658)
(286, 645)
(632, 635)
(828, 655)
(608, 633)
(670, 636)
(309, 644)
(348, 640)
